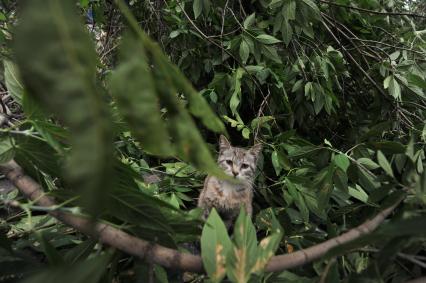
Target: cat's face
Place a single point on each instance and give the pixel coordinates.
(238, 162)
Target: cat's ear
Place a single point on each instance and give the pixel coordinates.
(256, 150)
(223, 143)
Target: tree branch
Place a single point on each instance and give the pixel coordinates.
(372, 11)
(103, 232)
(166, 257)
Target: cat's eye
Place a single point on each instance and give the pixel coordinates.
(244, 166)
(229, 162)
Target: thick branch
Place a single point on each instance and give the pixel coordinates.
(104, 233)
(168, 257)
(278, 263)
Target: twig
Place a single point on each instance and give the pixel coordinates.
(355, 61)
(390, 45)
(323, 277)
(372, 11)
(221, 47)
(165, 256)
(223, 24)
(351, 33)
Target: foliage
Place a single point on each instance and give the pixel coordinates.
(112, 128)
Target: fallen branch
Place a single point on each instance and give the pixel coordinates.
(166, 257)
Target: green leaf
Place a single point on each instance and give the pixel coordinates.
(84, 3)
(248, 22)
(198, 106)
(383, 162)
(133, 88)
(268, 246)
(51, 253)
(236, 91)
(80, 252)
(188, 143)
(244, 51)
(276, 163)
(13, 81)
(416, 80)
(393, 87)
(358, 193)
(215, 245)
(58, 65)
(368, 163)
(271, 53)
(6, 150)
(287, 32)
(342, 162)
(313, 6)
(298, 199)
(289, 10)
(267, 39)
(386, 82)
(86, 271)
(174, 34)
(241, 258)
(308, 89)
(394, 55)
(325, 185)
(246, 133)
(197, 6)
(297, 85)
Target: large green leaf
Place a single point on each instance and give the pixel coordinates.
(198, 106)
(268, 246)
(188, 143)
(49, 250)
(242, 256)
(215, 245)
(6, 149)
(13, 81)
(133, 87)
(57, 62)
(85, 271)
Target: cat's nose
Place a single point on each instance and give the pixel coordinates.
(235, 173)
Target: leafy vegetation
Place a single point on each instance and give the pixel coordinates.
(118, 120)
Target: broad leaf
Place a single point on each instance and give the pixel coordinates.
(13, 81)
(133, 87)
(241, 257)
(215, 245)
(342, 161)
(57, 61)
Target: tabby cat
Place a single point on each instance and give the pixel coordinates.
(227, 196)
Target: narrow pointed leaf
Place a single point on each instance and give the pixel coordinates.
(242, 256)
(215, 244)
(57, 63)
(133, 87)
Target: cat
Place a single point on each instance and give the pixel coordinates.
(226, 196)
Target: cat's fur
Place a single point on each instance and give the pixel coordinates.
(226, 196)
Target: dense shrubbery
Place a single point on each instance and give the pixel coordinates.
(334, 90)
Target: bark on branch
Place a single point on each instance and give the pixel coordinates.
(166, 257)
